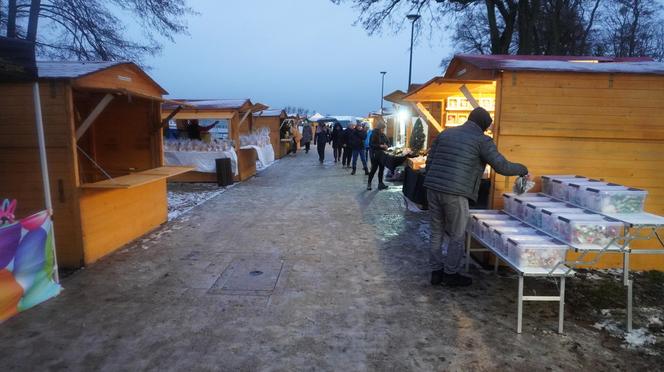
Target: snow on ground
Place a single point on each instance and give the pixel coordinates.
(184, 197)
(642, 339)
(260, 167)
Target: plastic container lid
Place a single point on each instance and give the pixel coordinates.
(570, 217)
(616, 189)
(535, 205)
(543, 243)
(554, 176)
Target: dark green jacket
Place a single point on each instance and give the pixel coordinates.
(457, 160)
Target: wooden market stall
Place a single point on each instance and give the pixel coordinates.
(104, 148)
(238, 113)
(596, 116)
(272, 119)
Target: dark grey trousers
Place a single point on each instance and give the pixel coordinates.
(449, 217)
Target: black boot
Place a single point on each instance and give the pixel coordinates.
(382, 186)
(369, 187)
(353, 172)
(437, 277)
(366, 172)
(456, 280)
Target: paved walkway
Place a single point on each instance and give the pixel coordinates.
(297, 269)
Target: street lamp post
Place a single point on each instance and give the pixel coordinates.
(413, 18)
(382, 91)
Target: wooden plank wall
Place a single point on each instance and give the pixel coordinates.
(603, 126)
(19, 161)
(246, 163)
(109, 216)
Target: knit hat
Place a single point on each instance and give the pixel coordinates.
(481, 117)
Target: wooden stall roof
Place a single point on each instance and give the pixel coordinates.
(271, 113)
(440, 86)
(486, 67)
(122, 77)
(396, 97)
(209, 108)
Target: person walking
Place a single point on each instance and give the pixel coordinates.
(296, 138)
(454, 168)
(337, 141)
(347, 151)
(356, 143)
(379, 143)
(321, 139)
(307, 134)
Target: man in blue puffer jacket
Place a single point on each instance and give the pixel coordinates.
(455, 164)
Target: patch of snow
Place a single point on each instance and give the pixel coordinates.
(639, 338)
(181, 202)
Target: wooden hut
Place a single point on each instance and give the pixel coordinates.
(272, 119)
(239, 115)
(596, 116)
(104, 148)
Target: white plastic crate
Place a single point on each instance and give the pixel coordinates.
(544, 253)
(615, 200)
(597, 232)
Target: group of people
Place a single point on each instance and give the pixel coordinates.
(355, 141)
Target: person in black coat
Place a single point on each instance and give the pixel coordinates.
(337, 141)
(455, 164)
(321, 139)
(345, 142)
(378, 144)
(356, 143)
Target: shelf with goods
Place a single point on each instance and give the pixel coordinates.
(458, 108)
(607, 201)
(530, 252)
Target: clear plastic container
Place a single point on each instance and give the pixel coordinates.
(501, 234)
(476, 221)
(575, 190)
(589, 194)
(559, 188)
(519, 204)
(550, 217)
(544, 253)
(487, 226)
(508, 200)
(533, 211)
(615, 200)
(547, 185)
(596, 232)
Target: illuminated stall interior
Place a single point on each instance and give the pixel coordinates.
(236, 113)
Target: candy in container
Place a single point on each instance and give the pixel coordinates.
(559, 187)
(595, 232)
(544, 253)
(533, 211)
(550, 216)
(501, 234)
(487, 226)
(575, 189)
(616, 199)
(547, 181)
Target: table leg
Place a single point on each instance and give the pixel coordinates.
(519, 312)
(561, 309)
(627, 282)
(467, 252)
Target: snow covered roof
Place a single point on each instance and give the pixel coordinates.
(582, 64)
(72, 69)
(270, 112)
(210, 104)
(316, 116)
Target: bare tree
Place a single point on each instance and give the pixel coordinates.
(495, 26)
(97, 29)
(632, 28)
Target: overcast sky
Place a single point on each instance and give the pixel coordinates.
(290, 52)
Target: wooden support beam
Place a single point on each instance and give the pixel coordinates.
(469, 96)
(164, 122)
(419, 107)
(246, 115)
(93, 115)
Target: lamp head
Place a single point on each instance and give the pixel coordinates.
(413, 17)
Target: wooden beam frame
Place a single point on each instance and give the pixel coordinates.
(94, 115)
(246, 115)
(164, 121)
(419, 107)
(469, 96)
